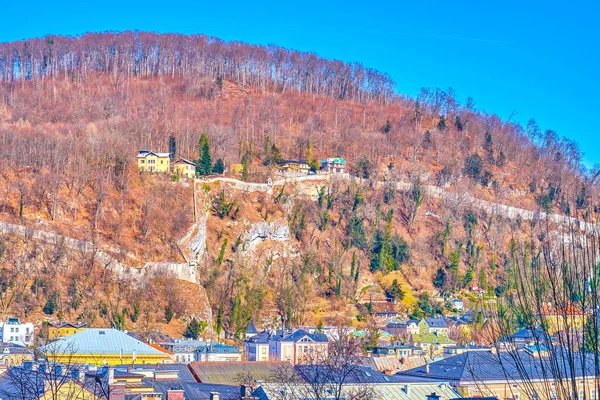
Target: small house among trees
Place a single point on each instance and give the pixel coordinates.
(184, 168)
(336, 165)
(294, 166)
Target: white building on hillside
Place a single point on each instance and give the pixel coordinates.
(13, 331)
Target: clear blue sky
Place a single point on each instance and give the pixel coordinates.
(538, 58)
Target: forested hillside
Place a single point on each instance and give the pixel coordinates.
(74, 111)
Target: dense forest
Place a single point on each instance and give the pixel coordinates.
(74, 111)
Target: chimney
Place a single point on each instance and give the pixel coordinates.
(214, 396)
(427, 368)
(110, 375)
(174, 394)
(433, 396)
(116, 392)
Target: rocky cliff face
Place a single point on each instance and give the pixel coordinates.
(259, 232)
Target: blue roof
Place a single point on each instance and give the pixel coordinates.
(355, 374)
(300, 333)
(436, 322)
(219, 349)
(101, 341)
(251, 328)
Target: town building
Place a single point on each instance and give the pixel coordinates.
(510, 375)
(357, 383)
(256, 347)
(457, 304)
(21, 382)
(228, 373)
(251, 331)
(564, 318)
(13, 331)
(336, 165)
(397, 351)
(432, 343)
(184, 168)
(149, 161)
(14, 354)
(408, 328)
(94, 346)
(285, 345)
(298, 347)
(455, 350)
(62, 329)
(183, 350)
(294, 167)
(218, 353)
(433, 325)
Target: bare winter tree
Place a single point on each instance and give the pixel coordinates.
(333, 376)
(552, 299)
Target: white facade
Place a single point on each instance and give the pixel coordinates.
(257, 351)
(13, 331)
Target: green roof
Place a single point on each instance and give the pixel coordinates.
(432, 338)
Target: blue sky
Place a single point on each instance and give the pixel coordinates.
(537, 58)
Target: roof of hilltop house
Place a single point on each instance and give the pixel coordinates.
(436, 322)
(65, 324)
(102, 341)
(301, 333)
(184, 161)
(333, 160)
(146, 153)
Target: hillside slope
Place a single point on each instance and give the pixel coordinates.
(74, 112)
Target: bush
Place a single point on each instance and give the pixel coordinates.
(50, 306)
(169, 313)
(195, 328)
(473, 166)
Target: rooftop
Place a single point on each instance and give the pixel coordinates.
(101, 341)
(483, 366)
(228, 373)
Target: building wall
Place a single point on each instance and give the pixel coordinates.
(519, 391)
(185, 170)
(110, 359)
(14, 359)
(152, 163)
(19, 333)
(257, 351)
(54, 333)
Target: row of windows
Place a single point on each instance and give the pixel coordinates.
(151, 161)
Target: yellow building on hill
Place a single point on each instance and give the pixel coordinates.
(184, 168)
(95, 346)
(149, 161)
(62, 329)
(559, 319)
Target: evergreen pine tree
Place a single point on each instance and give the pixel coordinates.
(205, 159)
(172, 148)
